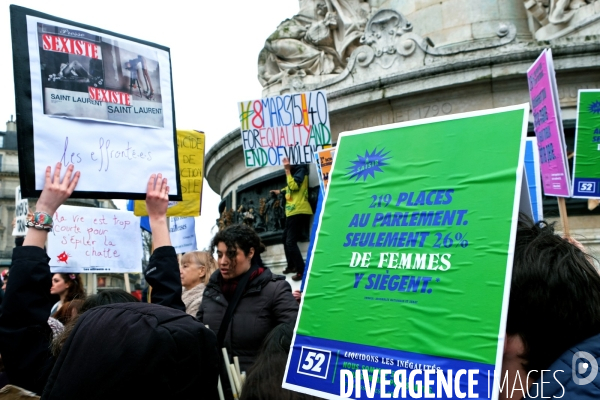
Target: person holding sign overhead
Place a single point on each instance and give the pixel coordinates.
(297, 215)
(139, 340)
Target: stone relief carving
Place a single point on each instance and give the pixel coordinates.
(563, 10)
(383, 34)
(317, 41)
(269, 217)
(551, 19)
(256, 207)
(349, 34)
(388, 39)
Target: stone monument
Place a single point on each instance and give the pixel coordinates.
(386, 61)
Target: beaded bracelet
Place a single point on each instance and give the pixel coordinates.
(41, 221)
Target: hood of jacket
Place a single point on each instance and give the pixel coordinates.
(114, 347)
(559, 380)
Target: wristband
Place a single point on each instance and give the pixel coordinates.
(41, 221)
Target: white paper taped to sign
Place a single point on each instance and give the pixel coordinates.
(95, 240)
(21, 211)
(95, 110)
(183, 234)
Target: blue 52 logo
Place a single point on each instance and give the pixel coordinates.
(314, 362)
(587, 187)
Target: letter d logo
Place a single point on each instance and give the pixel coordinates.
(584, 367)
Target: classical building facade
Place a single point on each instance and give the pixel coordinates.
(388, 61)
(9, 180)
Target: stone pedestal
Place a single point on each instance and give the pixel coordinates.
(418, 59)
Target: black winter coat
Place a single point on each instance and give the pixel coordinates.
(115, 347)
(25, 336)
(267, 302)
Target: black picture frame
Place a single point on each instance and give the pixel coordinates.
(24, 109)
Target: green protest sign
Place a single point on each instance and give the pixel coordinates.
(413, 253)
(586, 165)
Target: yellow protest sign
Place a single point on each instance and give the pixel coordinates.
(190, 147)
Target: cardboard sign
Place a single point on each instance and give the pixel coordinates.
(183, 234)
(532, 170)
(86, 239)
(586, 165)
(21, 211)
(548, 126)
(190, 145)
(324, 162)
(413, 257)
(292, 126)
(92, 98)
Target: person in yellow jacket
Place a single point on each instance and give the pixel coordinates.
(297, 215)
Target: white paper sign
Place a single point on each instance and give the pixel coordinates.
(21, 210)
(96, 111)
(292, 126)
(183, 234)
(92, 240)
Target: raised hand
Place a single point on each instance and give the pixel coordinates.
(55, 191)
(157, 202)
(286, 164)
(157, 196)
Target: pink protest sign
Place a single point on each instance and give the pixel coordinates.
(548, 126)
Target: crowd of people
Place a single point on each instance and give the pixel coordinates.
(111, 345)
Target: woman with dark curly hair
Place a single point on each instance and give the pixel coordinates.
(260, 300)
(69, 287)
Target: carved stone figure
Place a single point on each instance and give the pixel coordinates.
(242, 209)
(225, 219)
(550, 19)
(260, 225)
(248, 217)
(272, 223)
(329, 39)
(563, 10)
(279, 211)
(269, 213)
(317, 41)
(275, 213)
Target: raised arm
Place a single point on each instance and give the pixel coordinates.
(163, 269)
(53, 195)
(157, 202)
(24, 332)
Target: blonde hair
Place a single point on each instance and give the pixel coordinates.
(201, 258)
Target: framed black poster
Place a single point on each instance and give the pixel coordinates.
(96, 99)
